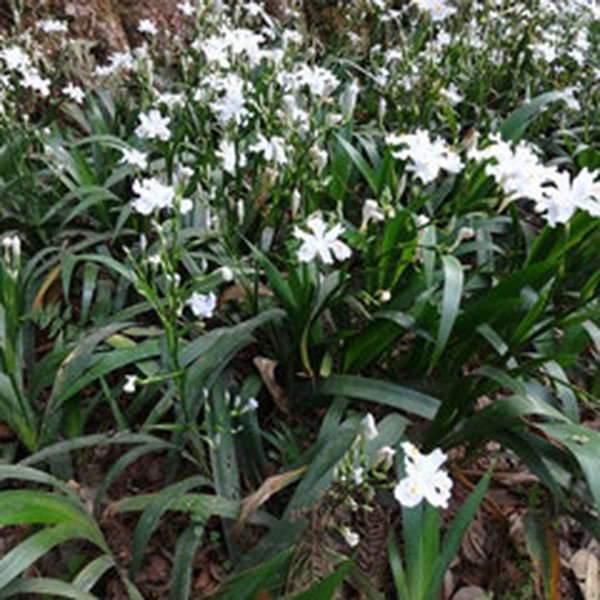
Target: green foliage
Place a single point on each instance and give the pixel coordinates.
(231, 295)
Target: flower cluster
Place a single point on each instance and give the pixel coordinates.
(521, 174)
(427, 157)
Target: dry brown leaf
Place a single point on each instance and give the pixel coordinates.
(6, 433)
(516, 532)
(586, 568)
(473, 545)
(239, 292)
(266, 367)
(45, 287)
(473, 592)
(269, 487)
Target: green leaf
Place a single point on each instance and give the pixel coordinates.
(151, 516)
(28, 474)
(88, 441)
(205, 505)
(223, 458)
(543, 551)
(453, 288)
(276, 281)
(456, 531)
(513, 128)
(361, 164)
(181, 578)
(325, 589)
(382, 392)
(37, 507)
(91, 574)
(27, 552)
(123, 462)
(47, 587)
(398, 573)
(584, 444)
(246, 585)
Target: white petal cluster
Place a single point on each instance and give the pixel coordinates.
(424, 479)
(15, 59)
(117, 61)
(53, 26)
(12, 246)
(135, 158)
(33, 80)
(438, 10)
(229, 44)
(561, 199)
(321, 242)
(228, 156)
(202, 305)
(153, 126)
(368, 428)
(74, 92)
(130, 384)
(320, 81)
(152, 195)
(428, 157)
(273, 150)
(230, 106)
(186, 8)
(147, 26)
(521, 174)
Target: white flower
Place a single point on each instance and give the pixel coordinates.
(186, 205)
(561, 200)
(570, 100)
(230, 106)
(202, 305)
(350, 537)
(12, 245)
(371, 212)
(319, 157)
(384, 296)
(74, 92)
(319, 81)
(171, 100)
(117, 61)
(155, 260)
(348, 99)
(226, 153)
(147, 26)
(34, 81)
(252, 404)
(130, 383)
(15, 59)
(424, 480)
(385, 457)
(53, 26)
(273, 150)
(226, 273)
(358, 475)
(451, 95)
(368, 427)
(152, 195)
(321, 242)
(438, 9)
(135, 158)
(428, 157)
(153, 126)
(186, 8)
